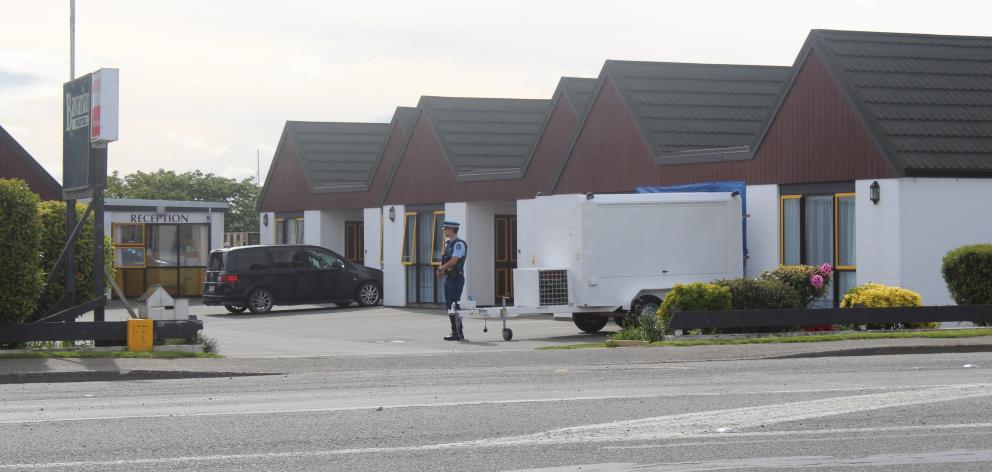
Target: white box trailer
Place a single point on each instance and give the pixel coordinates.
(598, 256)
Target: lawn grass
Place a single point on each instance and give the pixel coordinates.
(814, 338)
(107, 354)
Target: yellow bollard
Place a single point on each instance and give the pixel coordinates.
(140, 335)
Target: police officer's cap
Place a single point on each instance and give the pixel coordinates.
(452, 224)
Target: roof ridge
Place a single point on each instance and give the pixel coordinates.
(702, 64)
(819, 31)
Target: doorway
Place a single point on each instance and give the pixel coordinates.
(505, 253)
(354, 242)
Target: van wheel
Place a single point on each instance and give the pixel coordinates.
(589, 323)
(260, 300)
(368, 294)
(236, 308)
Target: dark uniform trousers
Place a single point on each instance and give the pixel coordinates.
(453, 285)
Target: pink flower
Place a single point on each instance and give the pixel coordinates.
(825, 269)
(816, 280)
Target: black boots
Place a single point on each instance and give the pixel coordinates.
(456, 329)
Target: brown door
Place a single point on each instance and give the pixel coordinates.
(354, 241)
(506, 256)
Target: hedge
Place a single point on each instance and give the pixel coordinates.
(967, 271)
(21, 280)
(698, 296)
(872, 295)
(52, 217)
(757, 294)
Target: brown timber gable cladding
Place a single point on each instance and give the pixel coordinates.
(285, 188)
(814, 137)
(424, 177)
(16, 163)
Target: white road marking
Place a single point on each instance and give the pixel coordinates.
(958, 456)
(684, 426)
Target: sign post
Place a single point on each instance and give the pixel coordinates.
(90, 119)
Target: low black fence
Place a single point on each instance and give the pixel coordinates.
(106, 331)
(808, 317)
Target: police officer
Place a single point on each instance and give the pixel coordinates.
(453, 271)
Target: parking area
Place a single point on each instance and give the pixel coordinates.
(315, 331)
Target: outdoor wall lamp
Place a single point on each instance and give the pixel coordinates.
(265, 219)
(392, 213)
(875, 192)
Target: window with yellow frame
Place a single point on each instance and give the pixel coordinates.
(129, 245)
(803, 230)
(437, 243)
(409, 255)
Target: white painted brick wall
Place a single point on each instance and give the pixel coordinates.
(762, 228)
(526, 233)
(267, 234)
(938, 215)
(877, 233)
(393, 272)
(478, 230)
(372, 217)
(313, 227)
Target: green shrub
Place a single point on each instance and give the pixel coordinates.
(808, 282)
(699, 296)
(872, 295)
(51, 214)
(20, 274)
(967, 271)
(760, 294)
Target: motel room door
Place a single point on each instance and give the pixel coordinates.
(354, 242)
(505, 253)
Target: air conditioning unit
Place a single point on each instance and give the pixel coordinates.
(540, 287)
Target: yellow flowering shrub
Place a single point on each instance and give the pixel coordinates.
(872, 295)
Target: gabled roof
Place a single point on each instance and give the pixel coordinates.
(486, 138)
(338, 157)
(579, 92)
(20, 152)
(698, 112)
(407, 117)
(926, 99)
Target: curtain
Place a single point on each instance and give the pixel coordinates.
(790, 227)
(845, 231)
(819, 234)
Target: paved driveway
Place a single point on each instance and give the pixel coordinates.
(312, 331)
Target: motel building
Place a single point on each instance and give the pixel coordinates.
(871, 152)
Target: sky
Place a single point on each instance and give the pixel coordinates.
(209, 85)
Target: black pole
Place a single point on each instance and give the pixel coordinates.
(98, 159)
(70, 253)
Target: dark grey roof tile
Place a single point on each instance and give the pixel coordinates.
(927, 97)
(684, 107)
(486, 138)
(338, 156)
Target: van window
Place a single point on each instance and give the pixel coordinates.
(287, 258)
(252, 259)
(323, 260)
(216, 261)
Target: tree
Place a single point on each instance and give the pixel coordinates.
(20, 265)
(242, 196)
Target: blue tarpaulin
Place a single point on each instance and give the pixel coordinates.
(725, 186)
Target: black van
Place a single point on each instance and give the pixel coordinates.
(258, 277)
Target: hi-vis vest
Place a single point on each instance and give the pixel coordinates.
(458, 270)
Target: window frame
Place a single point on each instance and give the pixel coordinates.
(836, 196)
(412, 260)
(781, 227)
(141, 246)
(434, 237)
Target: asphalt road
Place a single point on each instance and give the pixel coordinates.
(588, 410)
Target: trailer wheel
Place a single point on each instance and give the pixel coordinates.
(589, 323)
(507, 334)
